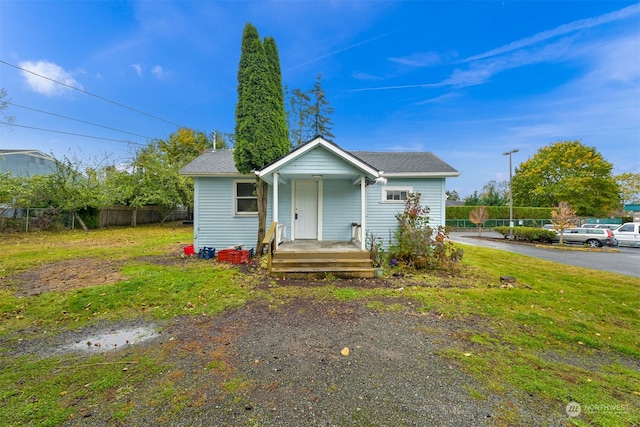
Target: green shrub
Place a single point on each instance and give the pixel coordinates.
(528, 234)
(420, 246)
(91, 217)
(500, 212)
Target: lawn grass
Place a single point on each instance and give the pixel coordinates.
(561, 334)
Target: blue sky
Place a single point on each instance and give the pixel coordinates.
(466, 80)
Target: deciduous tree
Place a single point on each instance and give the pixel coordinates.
(567, 171)
(4, 104)
(452, 195)
(629, 187)
(150, 179)
(184, 145)
(479, 216)
(563, 217)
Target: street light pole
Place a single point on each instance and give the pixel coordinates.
(509, 153)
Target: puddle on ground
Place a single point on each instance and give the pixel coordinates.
(117, 339)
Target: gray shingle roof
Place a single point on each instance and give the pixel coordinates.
(218, 162)
(221, 163)
(404, 162)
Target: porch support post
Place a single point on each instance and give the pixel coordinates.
(276, 177)
(363, 213)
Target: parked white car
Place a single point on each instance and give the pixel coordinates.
(628, 234)
(608, 226)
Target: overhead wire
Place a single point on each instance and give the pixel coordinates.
(91, 94)
(71, 133)
(76, 120)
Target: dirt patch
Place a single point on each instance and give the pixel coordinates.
(79, 273)
(66, 275)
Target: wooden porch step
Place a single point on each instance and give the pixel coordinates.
(320, 259)
(337, 262)
(345, 272)
(321, 255)
(320, 267)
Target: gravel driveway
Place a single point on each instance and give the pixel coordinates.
(287, 366)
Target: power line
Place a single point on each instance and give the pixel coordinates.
(71, 133)
(77, 120)
(91, 94)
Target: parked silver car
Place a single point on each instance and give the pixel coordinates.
(592, 237)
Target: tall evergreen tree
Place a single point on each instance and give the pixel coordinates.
(261, 132)
(280, 133)
(320, 111)
(299, 115)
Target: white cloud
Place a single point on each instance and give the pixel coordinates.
(158, 71)
(539, 48)
(419, 59)
(582, 24)
(358, 75)
(481, 71)
(138, 68)
(45, 77)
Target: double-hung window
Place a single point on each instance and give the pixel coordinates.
(245, 197)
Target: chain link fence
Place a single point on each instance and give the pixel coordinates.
(50, 219)
(464, 224)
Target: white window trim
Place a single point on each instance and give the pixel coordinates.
(235, 197)
(384, 191)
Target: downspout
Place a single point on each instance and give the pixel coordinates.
(363, 213)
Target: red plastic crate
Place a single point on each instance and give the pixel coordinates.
(239, 257)
(224, 255)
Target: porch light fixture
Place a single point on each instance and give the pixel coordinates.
(316, 176)
(509, 153)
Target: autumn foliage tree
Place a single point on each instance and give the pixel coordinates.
(567, 171)
(629, 187)
(563, 217)
(479, 216)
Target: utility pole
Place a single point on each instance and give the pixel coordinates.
(509, 153)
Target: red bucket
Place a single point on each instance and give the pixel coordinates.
(189, 250)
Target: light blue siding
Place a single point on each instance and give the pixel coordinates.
(341, 202)
(381, 216)
(215, 224)
(320, 162)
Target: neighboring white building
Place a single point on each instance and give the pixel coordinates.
(25, 163)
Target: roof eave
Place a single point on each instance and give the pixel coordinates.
(421, 174)
(215, 174)
(347, 156)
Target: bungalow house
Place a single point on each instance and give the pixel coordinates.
(318, 193)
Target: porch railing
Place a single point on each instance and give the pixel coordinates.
(274, 236)
(356, 233)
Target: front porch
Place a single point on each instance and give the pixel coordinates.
(317, 259)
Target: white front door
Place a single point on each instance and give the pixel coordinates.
(306, 210)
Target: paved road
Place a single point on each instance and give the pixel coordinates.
(626, 261)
